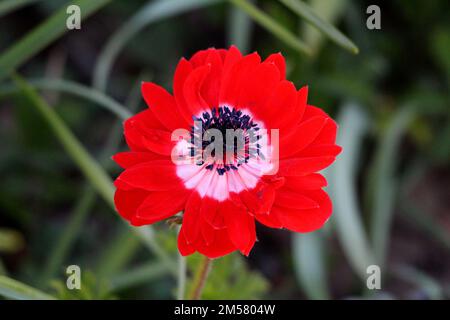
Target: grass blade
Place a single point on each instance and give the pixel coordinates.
(69, 234)
(88, 197)
(329, 11)
(426, 283)
(150, 13)
(43, 35)
(305, 11)
(239, 29)
(347, 217)
(308, 252)
(138, 275)
(384, 182)
(79, 90)
(90, 168)
(8, 6)
(272, 26)
(13, 289)
(117, 254)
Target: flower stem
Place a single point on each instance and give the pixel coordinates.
(200, 278)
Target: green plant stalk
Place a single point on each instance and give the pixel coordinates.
(272, 26)
(308, 252)
(342, 174)
(420, 279)
(88, 196)
(139, 275)
(152, 12)
(239, 29)
(7, 6)
(413, 212)
(13, 289)
(182, 269)
(43, 35)
(94, 173)
(117, 254)
(76, 89)
(385, 182)
(305, 11)
(200, 278)
(69, 234)
(90, 168)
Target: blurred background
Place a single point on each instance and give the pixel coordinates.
(65, 93)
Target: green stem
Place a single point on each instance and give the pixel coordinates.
(181, 276)
(200, 278)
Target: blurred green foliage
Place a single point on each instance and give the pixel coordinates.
(393, 194)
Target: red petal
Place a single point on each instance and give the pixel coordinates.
(233, 55)
(235, 79)
(220, 247)
(133, 129)
(183, 246)
(302, 136)
(157, 175)
(158, 141)
(306, 220)
(127, 201)
(163, 106)
(240, 225)
(280, 107)
(210, 213)
(208, 234)
(200, 57)
(211, 85)
(129, 159)
(259, 199)
(303, 166)
(269, 219)
(191, 218)
(312, 111)
(278, 60)
(192, 90)
(294, 200)
(309, 182)
(328, 133)
(183, 70)
(320, 150)
(161, 205)
(258, 88)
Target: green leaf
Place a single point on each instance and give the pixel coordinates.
(10, 241)
(385, 183)
(272, 26)
(414, 212)
(239, 29)
(8, 6)
(13, 289)
(150, 13)
(68, 234)
(90, 168)
(230, 278)
(353, 125)
(309, 259)
(139, 275)
(43, 35)
(329, 11)
(304, 11)
(75, 89)
(117, 253)
(430, 286)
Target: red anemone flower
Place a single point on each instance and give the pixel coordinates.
(272, 180)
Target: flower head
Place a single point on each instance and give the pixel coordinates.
(234, 144)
